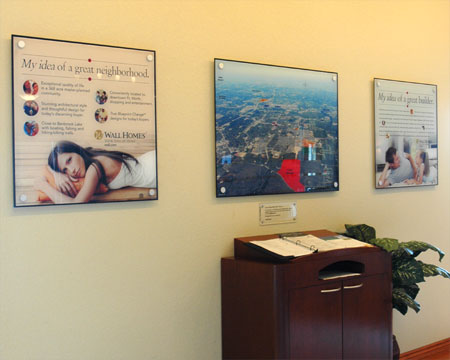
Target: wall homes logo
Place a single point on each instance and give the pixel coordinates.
(123, 135)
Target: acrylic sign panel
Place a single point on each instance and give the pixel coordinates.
(276, 129)
(83, 115)
(405, 134)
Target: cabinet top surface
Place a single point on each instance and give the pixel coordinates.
(244, 252)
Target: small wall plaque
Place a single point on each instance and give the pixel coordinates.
(277, 213)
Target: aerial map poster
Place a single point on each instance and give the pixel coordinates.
(276, 129)
(405, 134)
(84, 122)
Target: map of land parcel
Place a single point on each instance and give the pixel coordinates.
(276, 129)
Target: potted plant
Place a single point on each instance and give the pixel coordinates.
(407, 271)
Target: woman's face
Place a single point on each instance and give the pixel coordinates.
(418, 158)
(72, 164)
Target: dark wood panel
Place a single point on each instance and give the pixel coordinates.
(315, 322)
(367, 310)
(250, 314)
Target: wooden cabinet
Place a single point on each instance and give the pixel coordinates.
(286, 311)
(350, 317)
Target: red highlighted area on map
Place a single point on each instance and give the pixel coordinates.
(290, 172)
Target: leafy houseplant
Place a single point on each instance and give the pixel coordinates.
(407, 271)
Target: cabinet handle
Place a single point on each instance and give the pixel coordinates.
(330, 290)
(353, 286)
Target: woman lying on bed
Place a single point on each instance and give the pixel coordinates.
(114, 169)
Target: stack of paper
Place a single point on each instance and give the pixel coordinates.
(304, 245)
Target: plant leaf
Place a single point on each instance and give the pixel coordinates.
(411, 290)
(396, 304)
(361, 232)
(407, 272)
(401, 253)
(419, 246)
(385, 243)
(433, 270)
(400, 299)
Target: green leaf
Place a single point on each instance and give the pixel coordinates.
(400, 300)
(400, 306)
(419, 246)
(433, 270)
(411, 290)
(401, 253)
(407, 272)
(360, 232)
(385, 243)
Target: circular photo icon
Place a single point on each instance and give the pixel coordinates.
(30, 87)
(30, 107)
(98, 134)
(101, 115)
(31, 128)
(101, 97)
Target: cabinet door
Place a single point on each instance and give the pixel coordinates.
(315, 322)
(366, 318)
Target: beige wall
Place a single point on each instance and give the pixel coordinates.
(142, 280)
